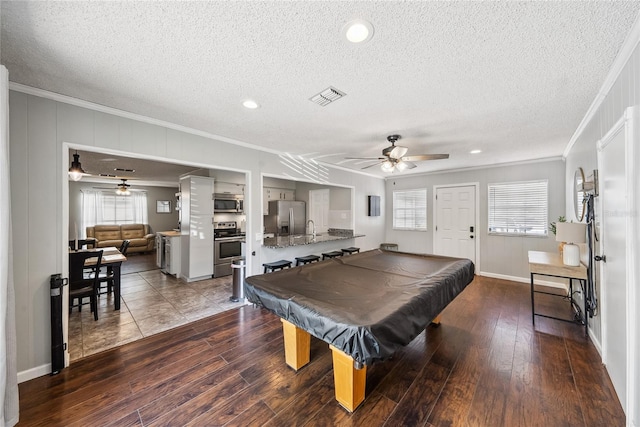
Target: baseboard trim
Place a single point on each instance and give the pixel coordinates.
(596, 342)
(32, 373)
(523, 280)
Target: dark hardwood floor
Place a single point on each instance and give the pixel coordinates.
(486, 365)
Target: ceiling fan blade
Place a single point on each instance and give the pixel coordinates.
(408, 165)
(365, 158)
(398, 151)
(374, 164)
(421, 157)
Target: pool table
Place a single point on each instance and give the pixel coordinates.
(365, 306)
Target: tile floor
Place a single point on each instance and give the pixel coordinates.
(152, 302)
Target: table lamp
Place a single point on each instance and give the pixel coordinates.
(571, 233)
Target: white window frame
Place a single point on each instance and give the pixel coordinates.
(417, 210)
(529, 208)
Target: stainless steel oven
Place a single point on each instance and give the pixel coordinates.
(227, 247)
(230, 203)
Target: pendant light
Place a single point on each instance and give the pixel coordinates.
(75, 171)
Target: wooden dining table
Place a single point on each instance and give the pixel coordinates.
(111, 258)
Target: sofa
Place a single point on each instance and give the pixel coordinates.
(141, 240)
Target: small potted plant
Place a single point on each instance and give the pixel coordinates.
(552, 228)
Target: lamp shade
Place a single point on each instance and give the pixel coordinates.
(571, 232)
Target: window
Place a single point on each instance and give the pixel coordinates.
(117, 209)
(101, 207)
(410, 210)
(518, 208)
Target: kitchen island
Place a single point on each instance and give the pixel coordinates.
(280, 242)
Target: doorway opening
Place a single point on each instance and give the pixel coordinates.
(151, 301)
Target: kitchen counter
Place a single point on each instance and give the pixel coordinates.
(279, 242)
(171, 233)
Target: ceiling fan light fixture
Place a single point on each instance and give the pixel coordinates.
(75, 171)
(123, 188)
(402, 166)
(387, 166)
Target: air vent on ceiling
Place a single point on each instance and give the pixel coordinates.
(327, 96)
(124, 170)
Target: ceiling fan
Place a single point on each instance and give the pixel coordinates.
(393, 157)
(122, 189)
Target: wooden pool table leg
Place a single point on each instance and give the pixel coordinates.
(436, 320)
(349, 381)
(297, 345)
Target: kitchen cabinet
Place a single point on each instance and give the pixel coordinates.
(228, 188)
(271, 193)
(172, 254)
(196, 228)
(168, 255)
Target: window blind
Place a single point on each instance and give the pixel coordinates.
(410, 209)
(519, 208)
(117, 209)
(124, 209)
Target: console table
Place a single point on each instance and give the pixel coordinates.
(550, 264)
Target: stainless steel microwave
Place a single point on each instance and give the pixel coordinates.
(231, 203)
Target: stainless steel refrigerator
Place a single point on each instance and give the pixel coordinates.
(286, 218)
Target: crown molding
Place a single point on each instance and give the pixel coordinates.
(472, 168)
(128, 115)
(29, 90)
(627, 49)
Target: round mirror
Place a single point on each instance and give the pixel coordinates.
(578, 194)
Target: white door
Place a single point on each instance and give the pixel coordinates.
(613, 204)
(319, 209)
(455, 222)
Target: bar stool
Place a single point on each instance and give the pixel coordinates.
(276, 265)
(332, 254)
(350, 250)
(302, 260)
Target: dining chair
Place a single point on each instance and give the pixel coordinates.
(81, 286)
(107, 277)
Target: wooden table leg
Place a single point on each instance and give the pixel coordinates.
(349, 382)
(297, 345)
(436, 320)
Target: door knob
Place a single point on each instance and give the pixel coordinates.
(602, 258)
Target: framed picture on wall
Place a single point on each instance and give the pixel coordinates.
(163, 206)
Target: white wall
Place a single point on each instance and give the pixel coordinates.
(620, 91)
(624, 92)
(499, 255)
(40, 127)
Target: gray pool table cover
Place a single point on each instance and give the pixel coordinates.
(368, 304)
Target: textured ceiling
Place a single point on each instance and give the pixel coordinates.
(513, 79)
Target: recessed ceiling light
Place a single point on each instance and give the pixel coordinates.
(358, 31)
(475, 151)
(250, 104)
